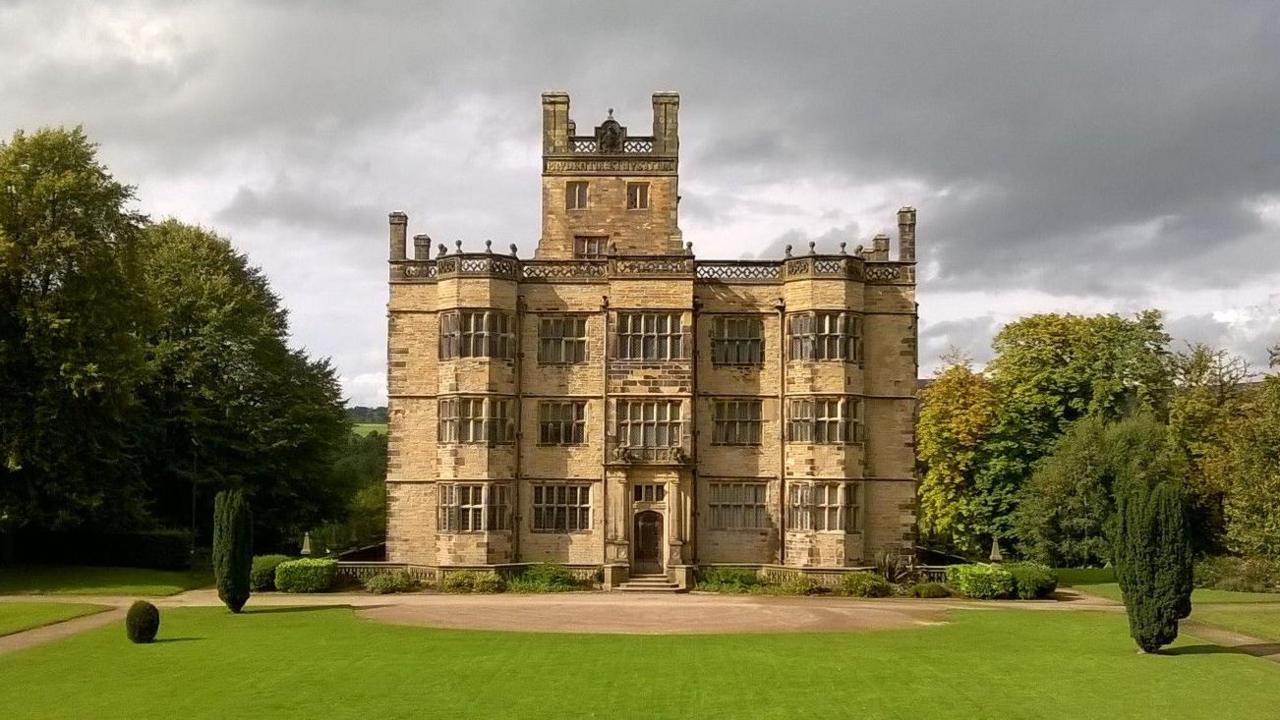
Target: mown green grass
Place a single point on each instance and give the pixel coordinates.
(1259, 620)
(328, 663)
(81, 580)
(369, 428)
(16, 617)
(1102, 583)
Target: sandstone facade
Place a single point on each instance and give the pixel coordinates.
(615, 402)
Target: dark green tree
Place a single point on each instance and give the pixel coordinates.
(232, 548)
(1153, 560)
(230, 404)
(71, 319)
(1051, 370)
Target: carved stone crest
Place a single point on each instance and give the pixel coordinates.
(610, 135)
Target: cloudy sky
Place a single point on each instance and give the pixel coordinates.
(1080, 157)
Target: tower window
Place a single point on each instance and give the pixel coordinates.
(575, 196)
(590, 246)
(638, 196)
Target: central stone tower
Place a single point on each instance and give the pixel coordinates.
(610, 190)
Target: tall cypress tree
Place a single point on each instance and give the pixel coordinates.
(1153, 561)
(232, 548)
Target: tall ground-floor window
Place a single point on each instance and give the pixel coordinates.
(738, 505)
(562, 507)
(474, 507)
(823, 505)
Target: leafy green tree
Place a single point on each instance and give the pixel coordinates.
(71, 317)
(957, 411)
(229, 403)
(1209, 386)
(1051, 370)
(1246, 464)
(232, 548)
(1064, 507)
(1153, 560)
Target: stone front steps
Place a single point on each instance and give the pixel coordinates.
(650, 583)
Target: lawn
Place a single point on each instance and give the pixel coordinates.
(1259, 620)
(16, 617)
(1101, 582)
(369, 428)
(73, 580)
(326, 662)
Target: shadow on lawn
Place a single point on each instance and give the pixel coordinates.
(176, 639)
(1259, 650)
(289, 609)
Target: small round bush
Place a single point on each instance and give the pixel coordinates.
(308, 575)
(1032, 580)
(391, 582)
(142, 622)
(863, 584)
(929, 590)
(489, 582)
(262, 576)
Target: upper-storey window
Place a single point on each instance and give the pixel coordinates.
(737, 341)
(476, 420)
(590, 246)
(575, 196)
(649, 424)
(562, 422)
(562, 340)
(638, 196)
(825, 336)
(649, 336)
(825, 420)
(476, 333)
(736, 422)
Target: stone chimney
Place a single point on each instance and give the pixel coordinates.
(907, 234)
(399, 223)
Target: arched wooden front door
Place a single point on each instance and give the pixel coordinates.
(647, 537)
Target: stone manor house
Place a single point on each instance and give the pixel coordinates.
(617, 405)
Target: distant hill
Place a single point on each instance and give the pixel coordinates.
(362, 414)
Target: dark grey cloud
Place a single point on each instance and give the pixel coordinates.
(1125, 151)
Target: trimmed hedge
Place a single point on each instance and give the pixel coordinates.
(308, 575)
(982, 582)
(262, 576)
(157, 549)
(473, 581)
(928, 590)
(862, 584)
(544, 577)
(728, 579)
(391, 582)
(1032, 581)
(142, 622)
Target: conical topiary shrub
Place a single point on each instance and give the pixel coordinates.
(1153, 561)
(142, 622)
(232, 548)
